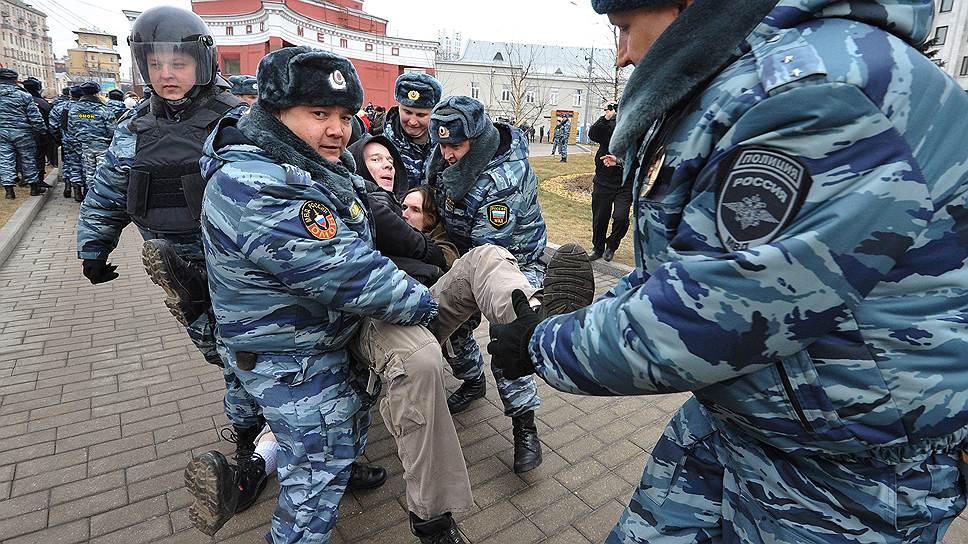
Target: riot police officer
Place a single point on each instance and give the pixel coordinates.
(20, 121)
(151, 177)
(91, 124)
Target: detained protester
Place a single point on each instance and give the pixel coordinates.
(486, 192)
(406, 124)
(800, 193)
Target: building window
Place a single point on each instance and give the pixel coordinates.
(577, 97)
(964, 66)
(505, 93)
(231, 65)
(262, 27)
(320, 37)
(529, 96)
(475, 90)
(369, 47)
(229, 31)
(300, 31)
(344, 43)
(553, 97)
(248, 29)
(395, 51)
(940, 35)
(946, 5)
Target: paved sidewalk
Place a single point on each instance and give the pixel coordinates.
(104, 400)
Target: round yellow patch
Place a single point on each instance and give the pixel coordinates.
(443, 132)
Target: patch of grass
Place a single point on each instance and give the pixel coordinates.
(8, 207)
(568, 220)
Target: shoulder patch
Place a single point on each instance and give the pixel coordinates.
(760, 192)
(318, 220)
(498, 215)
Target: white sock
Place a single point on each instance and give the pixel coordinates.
(267, 449)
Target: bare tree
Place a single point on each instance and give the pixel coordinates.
(525, 99)
(929, 49)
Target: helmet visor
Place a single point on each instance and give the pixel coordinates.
(178, 64)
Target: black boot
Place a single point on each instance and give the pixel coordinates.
(569, 282)
(468, 392)
(251, 465)
(439, 530)
(36, 189)
(221, 490)
(67, 190)
(10, 194)
(527, 448)
(366, 476)
(44, 184)
(185, 284)
(78, 194)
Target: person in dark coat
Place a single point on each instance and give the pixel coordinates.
(610, 197)
(45, 148)
(379, 163)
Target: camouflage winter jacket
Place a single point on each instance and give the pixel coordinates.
(291, 266)
(90, 122)
(19, 115)
(800, 240)
(500, 207)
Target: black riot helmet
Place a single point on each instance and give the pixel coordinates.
(165, 38)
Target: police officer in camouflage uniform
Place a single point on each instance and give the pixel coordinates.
(116, 103)
(151, 177)
(245, 88)
(801, 188)
(44, 148)
(20, 121)
(487, 193)
(406, 124)
(290, 248)
(70, 155)
(91, 124)
(562, 133)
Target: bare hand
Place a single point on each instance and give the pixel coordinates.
(609, 160)
(610, 114)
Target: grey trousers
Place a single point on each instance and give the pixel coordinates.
(409, 361)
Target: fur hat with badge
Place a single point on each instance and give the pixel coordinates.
(244, 85)
(417, 90)
(8, 75)
(305, 76)
(90, 88)
(456, 119)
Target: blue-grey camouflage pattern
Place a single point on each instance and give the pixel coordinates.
(415, 156)
(828, 360)
(71, 163)
(91, 125)
(104, 215)
(464, 356)
(292, 272)
(117, 107)
(562, 134)
(509, 181)
(20, 120)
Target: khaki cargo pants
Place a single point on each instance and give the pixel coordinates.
(410, 362)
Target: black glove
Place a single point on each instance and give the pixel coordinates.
(99, 271)
(509, 343)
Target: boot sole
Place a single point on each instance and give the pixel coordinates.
(157, 268)
(202, 477)
(569, 281)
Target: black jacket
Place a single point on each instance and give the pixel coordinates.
(413, 252)
(601, 133)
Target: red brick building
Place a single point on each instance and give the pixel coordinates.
(245, 30)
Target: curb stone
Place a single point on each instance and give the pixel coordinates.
(13, 231)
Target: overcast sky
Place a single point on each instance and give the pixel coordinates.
(550, 22)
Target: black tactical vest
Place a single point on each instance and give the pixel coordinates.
(165, 184)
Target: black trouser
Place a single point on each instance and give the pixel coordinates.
(610, 203)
